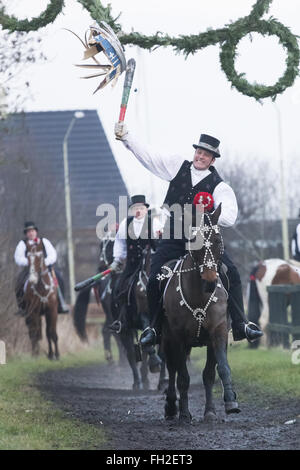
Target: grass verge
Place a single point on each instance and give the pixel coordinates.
(268, 371)
(28, 421)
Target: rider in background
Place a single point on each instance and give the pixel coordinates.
(295, 245)
(135, 233)
(20, 256)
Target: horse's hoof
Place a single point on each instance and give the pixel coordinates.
(163, 385)
(185, 418)
(137, 386)
(154, 363)
(232, 407)
(210, 417)
(146, 385)
(170, 417)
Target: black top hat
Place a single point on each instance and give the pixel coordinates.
(29, 226)
(139, 199)
(207, 142)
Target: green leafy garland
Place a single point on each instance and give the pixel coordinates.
(228, 37)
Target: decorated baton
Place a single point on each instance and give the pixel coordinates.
(127, 87)
(91, 280)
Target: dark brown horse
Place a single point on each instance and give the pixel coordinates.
(40, 298)
(195, 304)
(134, 317)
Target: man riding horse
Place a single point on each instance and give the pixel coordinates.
(20, 256)
(186, 180)
(135, 233)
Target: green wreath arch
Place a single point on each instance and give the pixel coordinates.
(228, 38)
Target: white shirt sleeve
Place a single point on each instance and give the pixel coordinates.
(293, 247)
(120, 246)
(20, 258)
(164, 166)
(50, 251)
(298, 236)
(224, 194)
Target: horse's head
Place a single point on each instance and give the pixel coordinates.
(35, 257)
(206, 245)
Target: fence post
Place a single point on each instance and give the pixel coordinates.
(2, 353)
(278, 321)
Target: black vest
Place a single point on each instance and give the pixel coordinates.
(181, 190)
(297, 251)
(135, 246)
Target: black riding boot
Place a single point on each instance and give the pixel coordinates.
(150, 335)
(241, 328)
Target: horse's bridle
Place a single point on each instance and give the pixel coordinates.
(208, 259)
(208, 262)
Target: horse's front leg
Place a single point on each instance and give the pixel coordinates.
(128, 342)
(144, 371)
(209, 375)
(183, 383)
(170, 404)
(219, 340)
(51, 321)
(33, 322)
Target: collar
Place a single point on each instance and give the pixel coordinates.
(200, 173)
(138, 221)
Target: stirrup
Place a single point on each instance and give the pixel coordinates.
(256, 328)
(144, 333)
(118, 326)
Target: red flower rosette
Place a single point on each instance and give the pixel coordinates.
(205, 199)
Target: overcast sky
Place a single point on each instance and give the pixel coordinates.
(176, 99)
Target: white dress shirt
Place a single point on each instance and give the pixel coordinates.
(166, 167)
(293, 247)
(22, 260)
(120, 245)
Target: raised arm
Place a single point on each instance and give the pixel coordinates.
(163, 166)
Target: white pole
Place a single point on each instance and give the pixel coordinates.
(284, 222)
(2, 353)
(69, 214)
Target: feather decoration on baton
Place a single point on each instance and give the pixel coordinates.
(103, 39)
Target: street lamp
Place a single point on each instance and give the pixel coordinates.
(76, 115)
(284, 221)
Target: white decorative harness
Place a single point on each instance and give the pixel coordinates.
(209, 262)
(34, 277)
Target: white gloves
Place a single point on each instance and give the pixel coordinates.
(120, 130)
(115, 266)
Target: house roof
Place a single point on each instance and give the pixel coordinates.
(94, 175)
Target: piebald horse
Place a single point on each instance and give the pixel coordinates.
(268, 272)
(40, 297)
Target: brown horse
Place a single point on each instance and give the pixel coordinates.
(40, 297)
(195, 304)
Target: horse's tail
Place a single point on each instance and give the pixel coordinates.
(254, 300)
(80, 311)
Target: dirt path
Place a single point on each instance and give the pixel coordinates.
(102, 396)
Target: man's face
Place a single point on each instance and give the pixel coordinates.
(139, 211)
(31, 234)
(203, 159)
